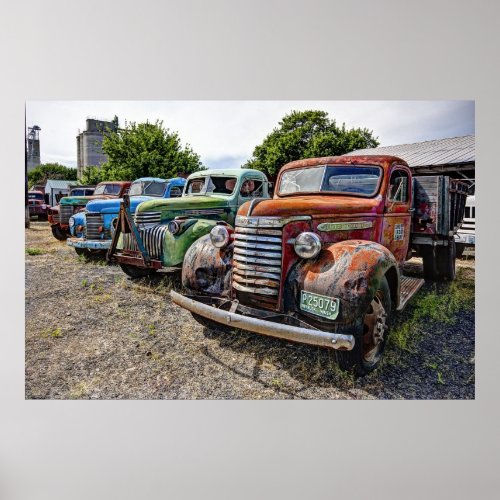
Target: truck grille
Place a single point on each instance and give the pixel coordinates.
(147, 218)
(152, 238)
(94, 222)
(257, 264)
(65, 212)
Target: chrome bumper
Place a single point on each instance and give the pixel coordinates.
(92, 244)
(280, 330)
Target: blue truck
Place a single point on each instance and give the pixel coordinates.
(92, 230)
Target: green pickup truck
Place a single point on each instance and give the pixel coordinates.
(161, 231)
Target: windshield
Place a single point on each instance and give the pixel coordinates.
(108, 189)
(147, 188)
(211, 185)
(35, 196)
(355, 180)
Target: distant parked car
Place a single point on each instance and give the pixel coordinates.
(37, 205)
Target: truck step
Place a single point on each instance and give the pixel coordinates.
(409, 287)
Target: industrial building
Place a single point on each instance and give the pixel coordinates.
(89, 143)
(33, 145)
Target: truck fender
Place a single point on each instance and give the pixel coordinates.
(207, 269)
(349, 270)
(175, 246)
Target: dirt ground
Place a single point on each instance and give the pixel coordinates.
(93, 333)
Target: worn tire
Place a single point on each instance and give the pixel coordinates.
(136, 272)
(368, 351)
(58, 233)
(445, 259)
(91, 254)
(459, 249)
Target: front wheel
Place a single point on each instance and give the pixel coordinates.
(58, 233)
(136, 272)
(371, 338)
(91, 254)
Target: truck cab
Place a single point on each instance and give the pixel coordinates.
(92, 230)
(161, 231)
(320, 263)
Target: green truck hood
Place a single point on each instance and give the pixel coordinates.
(174, 207)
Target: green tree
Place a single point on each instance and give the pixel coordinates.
(307, 134)
(45, 171)
(92, 175)
(146, 149)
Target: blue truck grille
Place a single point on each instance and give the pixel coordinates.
(93, 222)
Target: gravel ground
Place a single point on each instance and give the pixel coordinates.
(92, 333)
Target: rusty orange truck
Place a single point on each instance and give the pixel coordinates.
(321, 263)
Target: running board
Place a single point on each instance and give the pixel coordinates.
(408, 288)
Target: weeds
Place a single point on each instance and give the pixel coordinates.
(152, 330)
(57, 333)
(34, 251)
(440, 304)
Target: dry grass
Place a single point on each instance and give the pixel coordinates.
(117, 338)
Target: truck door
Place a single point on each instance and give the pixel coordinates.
(397, 216)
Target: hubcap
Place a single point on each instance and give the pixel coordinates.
(374, 328)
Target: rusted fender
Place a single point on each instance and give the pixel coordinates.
(206, 269)
(351, 271)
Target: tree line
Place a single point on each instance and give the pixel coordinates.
(150, 149)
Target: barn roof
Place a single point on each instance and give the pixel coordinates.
(450, 151)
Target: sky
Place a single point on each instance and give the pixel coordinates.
(225, 133)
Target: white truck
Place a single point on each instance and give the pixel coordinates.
(466, 235)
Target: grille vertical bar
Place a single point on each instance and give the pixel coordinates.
(93, 222)
(65, 212)
(257, 264)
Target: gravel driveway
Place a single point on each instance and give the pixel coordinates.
(92, 333)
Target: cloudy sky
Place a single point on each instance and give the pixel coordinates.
(224, 133)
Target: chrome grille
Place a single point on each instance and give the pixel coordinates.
(93, 222)
(152, 237)
(65, 212)
(147, 218)
(257, 262)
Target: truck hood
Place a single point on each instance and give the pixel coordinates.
(112, 206)
(173, 207)
(83, 200)
(317, 206)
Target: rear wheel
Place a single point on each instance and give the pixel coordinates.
(445, 256)
(58, 233)
(459, 248)
(136, 272)
(371, 337)
(439, 261)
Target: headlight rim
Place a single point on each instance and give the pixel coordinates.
(220, 244)
(317, 245)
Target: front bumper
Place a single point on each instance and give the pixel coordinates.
(265, 327)
(91, 244)
(134, 258)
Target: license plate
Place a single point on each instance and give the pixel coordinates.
(327, 307)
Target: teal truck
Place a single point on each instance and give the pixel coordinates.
(162, 230)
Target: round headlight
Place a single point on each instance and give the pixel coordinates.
(174, 226)
(219, 236)
(307, 245)
(71, 222)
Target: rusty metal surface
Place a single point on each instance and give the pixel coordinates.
(207, 269)
(409, 287)
(135, 259)
(272, 329)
